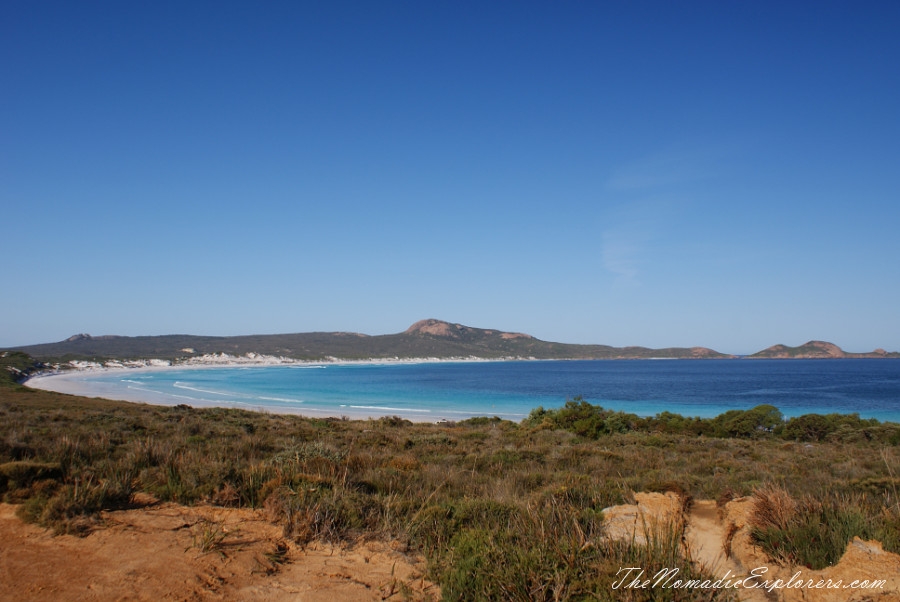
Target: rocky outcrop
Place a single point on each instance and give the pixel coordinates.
(650, 516)
(816, 350)
(718, 539)
(86, 337)
(434, 327)
(439, 328)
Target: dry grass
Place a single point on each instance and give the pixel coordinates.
(512, 511)
(813, 531)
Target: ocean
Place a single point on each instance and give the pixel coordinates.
(511, 389)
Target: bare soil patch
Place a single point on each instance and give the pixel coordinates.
(172, 552)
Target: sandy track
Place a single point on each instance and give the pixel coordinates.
(154, 553)
(704, 537)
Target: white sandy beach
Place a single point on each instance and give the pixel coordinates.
(75, 380)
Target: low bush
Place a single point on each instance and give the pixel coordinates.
(814, 531)
(500, 510)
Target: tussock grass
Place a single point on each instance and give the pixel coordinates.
(814, 531)
(500, 510)
(207, 536)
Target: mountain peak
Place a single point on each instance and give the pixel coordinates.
(79, 337)
(435, 327)
(826, 347)
(86, 337)
(440, 328)
(809, 350)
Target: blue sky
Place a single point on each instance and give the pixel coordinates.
(635, 173)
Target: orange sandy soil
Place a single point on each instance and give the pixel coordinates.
(718, 539)
(153, 552)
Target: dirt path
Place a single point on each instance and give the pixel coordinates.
(705, 538)
(719, 540)
(171, 552)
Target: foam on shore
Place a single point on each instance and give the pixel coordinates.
(75, 380)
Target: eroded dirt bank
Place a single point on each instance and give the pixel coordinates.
(164, 551)
(172, 552)
(718, 539)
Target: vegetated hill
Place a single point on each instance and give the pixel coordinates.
(427, 338)
(817, 350)
(15, 367)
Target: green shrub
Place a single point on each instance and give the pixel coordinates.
(22, 475)
(516, 508)
(809, 427)
(753, 423)
(814, 532)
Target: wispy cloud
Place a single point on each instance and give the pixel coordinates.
(631, 232)
(653, 191)
(664, 170)
(620, 255)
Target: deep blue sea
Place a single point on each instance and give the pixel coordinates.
(435, 391)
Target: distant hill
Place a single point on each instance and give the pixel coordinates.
(426, 338)
(817, 350)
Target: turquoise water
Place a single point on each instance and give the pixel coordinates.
(435, 391)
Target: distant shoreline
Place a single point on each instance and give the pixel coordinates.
(111, 381)
(70, 382)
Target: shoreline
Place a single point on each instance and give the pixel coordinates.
(110, 380)
(70, 382)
